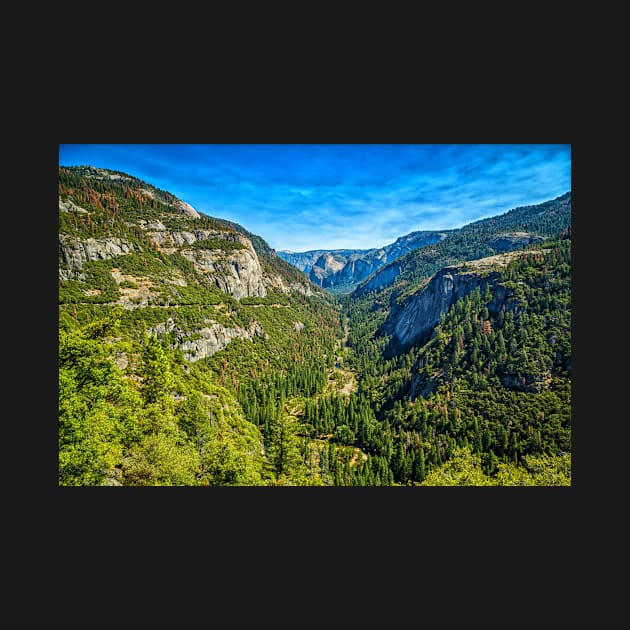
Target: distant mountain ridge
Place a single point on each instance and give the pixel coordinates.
(364, 270)
(511, 230)
(305, 261)
(343, 269)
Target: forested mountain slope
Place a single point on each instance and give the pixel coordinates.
(517, 280)
(393, 286)
(512, 230)
(487, 392)
(165, 315)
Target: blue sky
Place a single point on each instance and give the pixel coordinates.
(333, 196)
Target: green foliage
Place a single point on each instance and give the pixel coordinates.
(282, 448)
(230, 448)
(462, 469)
(465, 469)
(98, 408)
(161, 460)
(495, 377)
(153, 422)
(550, 220)
(536, 470)
(155, 371)
(96, 286)
(271, 299)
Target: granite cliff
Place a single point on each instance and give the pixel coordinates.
(413, 320)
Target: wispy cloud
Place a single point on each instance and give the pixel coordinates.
(302, 197)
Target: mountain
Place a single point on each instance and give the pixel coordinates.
(343, 271)
(340, 270)
(416, 317)
(305, 261)
(464, 352)
(137, 224)
(471, 374)
(514, 229)
(168, 318)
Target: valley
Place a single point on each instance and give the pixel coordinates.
(193, 354)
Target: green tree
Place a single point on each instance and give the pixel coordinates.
(282, 448)
(463, 469)
(98, 408)
(161, 460)
(536, 470)
(419, 468)
(155, 370)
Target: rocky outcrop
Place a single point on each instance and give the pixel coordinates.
(186, 208)
(300, 287)
(75, 252)
(512, 240)
(383, 278)
(170, 240)
(413, 321)
(352, 272)
(237, 273)
(326, 265)
(304, 261)
(276, 282)
(69, 206)
(208, 340)
(152, 226)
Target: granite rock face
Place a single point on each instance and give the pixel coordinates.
(383, 278)
(236, 271)
(413, 321)
(208, 340)
(75, 252)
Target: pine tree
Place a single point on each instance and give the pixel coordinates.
(283, 449)
(419, 468)
(155, 370)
